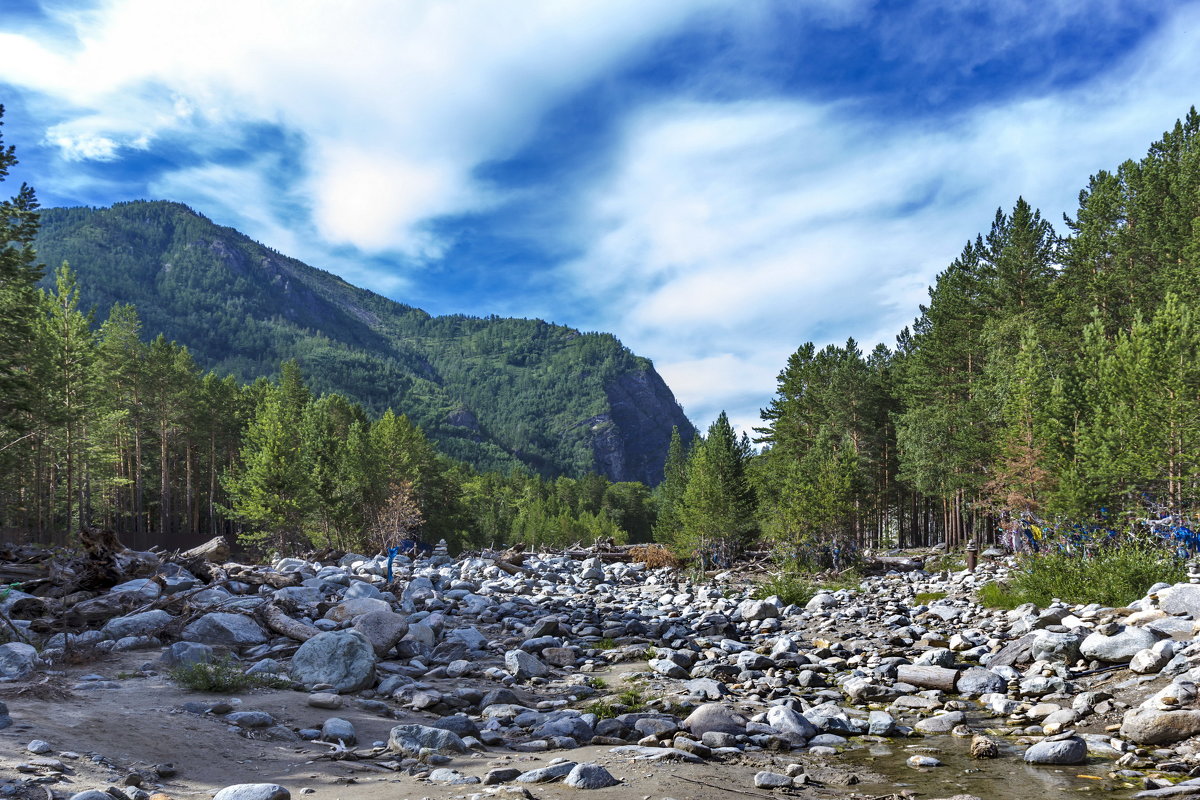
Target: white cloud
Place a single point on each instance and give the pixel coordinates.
(398, 102)
(745, 229)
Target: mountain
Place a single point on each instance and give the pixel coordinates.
(493, 392)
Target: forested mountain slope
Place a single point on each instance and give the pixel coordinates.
(493, 392)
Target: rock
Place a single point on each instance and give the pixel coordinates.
(757, 609)
(1051, 646)
(353, 608)
(224, 628)
(343, 659)
(39, 747)
(326, 700)
(881, 723)
(715, 717)
(1182, 598)
(451, 777)
(500, 775)
(1149, 661)
(383, 629)
(772, 780)
(91, 794)
(983, 747)
(17, 660)
(1122, 646)
(669, 668)
(410, 740)
(1151, 726)
(1063, 751)
(185, 654)
(252, 791)
(786, 720)
(979, 680)
(523, 666)
(919, 762)
(250, 719)
(147, 623)
(337, 729)
(821, 601)
(941, 723)
(590, 776)
(706, 688)
(547, 774)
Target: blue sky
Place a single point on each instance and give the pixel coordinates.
(713, 182)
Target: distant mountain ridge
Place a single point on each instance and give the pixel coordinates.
(492, 392)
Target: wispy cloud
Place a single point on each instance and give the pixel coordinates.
(731, 232)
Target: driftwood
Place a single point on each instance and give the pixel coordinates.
(927, 677)
(274, 618)
(215, 550)
(513, 569)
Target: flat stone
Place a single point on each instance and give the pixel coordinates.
(1122, 646)
(771, 780)
(252, 791)
(1063, 751)
(941, 723)
(225, 628)
(410, 740)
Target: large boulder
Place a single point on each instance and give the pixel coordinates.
(1122, 646)
(17, 660)
(1182, 598)
(978, 680)
(1051, 646)
(356, 607)
(1154, 727)
(147, 623)
(786, 720)
(383, 629)
(343, 659)
(224, 628)
(715, 717)
(417, 740)
(524, 666)
(1063, 751)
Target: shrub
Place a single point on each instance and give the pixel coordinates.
(223, 675)
(1112, 576)
(925, 598)
(607, 643)
(654, 556)
(790, 587)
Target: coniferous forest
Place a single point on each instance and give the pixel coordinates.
(1048, 381)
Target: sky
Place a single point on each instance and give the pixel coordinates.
(714, 182)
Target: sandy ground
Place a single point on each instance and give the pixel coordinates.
(140, 724)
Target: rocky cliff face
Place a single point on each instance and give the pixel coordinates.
(631, 443)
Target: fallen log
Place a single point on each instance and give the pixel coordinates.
(215, 550)
(513, 569)
(273, 617)
(927, 677)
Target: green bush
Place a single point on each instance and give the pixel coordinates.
(1112, 576)
(925, 598)
(223, 675)
(791, 588)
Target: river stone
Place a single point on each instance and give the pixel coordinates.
(1150, 660)
(821, 601)
(524, 666)
(1063, 751)
(547, 774)
(978, 680)
(1051, 646)
(383, 629)
(223, 628)
(343, 659)
(185, 654)
(715, 717)
(757, 609)
(669, 668)
(1182, 598)
(410, 740)
(590, 776)
(145, 624)
(253, 791)
(356, 607)
(771, 780)
(17, 660)
(942, 723)
(786, 720)
(1151, 726)
(338, 729)
(1122, 646)
(1017, 652)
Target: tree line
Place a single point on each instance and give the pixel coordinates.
(1047, 378)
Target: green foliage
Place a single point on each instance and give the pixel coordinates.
(925, 598)
(605, 644)
(628, 701)
(491, 392)
(790, 587)
(716, 511)
(222, 676)
(1112, 576)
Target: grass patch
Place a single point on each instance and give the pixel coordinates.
(790, 587)
(224, 675)
(925, 598)
(607, 643)
(1113, 576)
(628, 701)
(596, 683)
(850, 579)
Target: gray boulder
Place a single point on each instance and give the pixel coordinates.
(17, 660)
(343, 659)
(1050, 646)
(978, 680)
(337, 729)
(1152, 726)
(590, 776)
(1122, 646)
(715, 717)
(417, 740)
(751, 610)
(786, 720)
(941, 723)
(1064, 751)
(185, 654)
(254, 791)
(383, 628)
(147, 623)
(524, 666)
(224, 628)
(1182, 598)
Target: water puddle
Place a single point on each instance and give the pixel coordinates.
(1006, 777)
